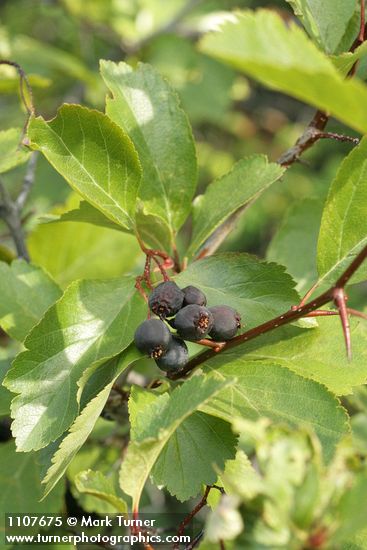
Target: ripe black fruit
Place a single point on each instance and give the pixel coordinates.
(193, 296)
(153, 338)
(166, 299)
(193, 322)
(176, 356)
(227, 321)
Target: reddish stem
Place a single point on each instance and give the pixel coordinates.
(362, 29)
(192, 514)
(139, 287)
(161, 269)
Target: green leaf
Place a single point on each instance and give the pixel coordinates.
(61, 456)
(5, 395)
(153, 430)
(294, 245)
(26, 293)
(317, 353)
(95, 157)
(359, 431)
(96, 457)
(345, 61)
(84, 213)
(325, 20)
(351, 510)
(11, 151)
(6, 255)
(269, 390)
(93, 321)
(243, 42)
(192, 456)
(343, 233)
(146, 107)
(20, 487)
(247, 179)
(100, 486)
(82, 250)
(153, 231)
(240, 477)
(359, 541)
(256, 289)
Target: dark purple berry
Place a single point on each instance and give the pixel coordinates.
(176, 356)
(227, 321)
(193, 322)
(193, 296)
(153, 338)
(166, 299)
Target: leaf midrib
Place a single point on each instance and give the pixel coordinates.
(137, 129)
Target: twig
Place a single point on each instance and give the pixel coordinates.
(307, 139)
(192, 514)
(23, 85)
(362, 28)
(195, 541)
(28, 181)
(10, 213)
(314, 130)
(24, 89)
(11, 210)
(333, 294)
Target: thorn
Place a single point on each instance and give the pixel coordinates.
(216, 346)
(308, 294)
(320, 313)
(357, 313)
(340, 302)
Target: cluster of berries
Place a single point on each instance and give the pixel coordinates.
(185, 311)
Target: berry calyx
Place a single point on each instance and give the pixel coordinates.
(152, 337)
(193, 295)
(226, 323)
(176, 356)
(193, 322)
(166, 299)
